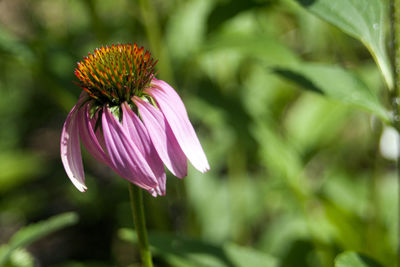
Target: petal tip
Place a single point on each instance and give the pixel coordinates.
(81, 187)
(206, 169)
(157, 191)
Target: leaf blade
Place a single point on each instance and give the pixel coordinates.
(335, 83)
(364, 21)
(354, 259)
(33, 232)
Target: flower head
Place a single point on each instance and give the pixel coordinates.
(129, 120)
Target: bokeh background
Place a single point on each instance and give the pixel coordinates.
(295, 179)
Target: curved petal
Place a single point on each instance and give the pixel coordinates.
(124, 155)
(163, 139)
(174, 111)
(88, 136)
(161, 189)
(139, 135)
(71, 151)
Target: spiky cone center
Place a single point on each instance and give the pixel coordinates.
(115, 74)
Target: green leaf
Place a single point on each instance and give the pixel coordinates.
(260, 47)
(336, 83)
(354, 259)
(182, 252)
(324, 117)
(362, 19)
(12, 175)
(33, 232)
(21, 258)
(245, 256)
(189, 20)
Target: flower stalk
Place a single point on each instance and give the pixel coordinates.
(132, 122)
(394, 94)
(136, 201)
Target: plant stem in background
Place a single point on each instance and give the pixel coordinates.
(153, 32)
(136, 200)
(394, 95)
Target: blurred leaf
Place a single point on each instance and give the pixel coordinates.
(324, 117)
(245, 256)
(21, 258)
(12, 174)
(371, 75)
(346, 191)
(354, 259)
(336, 83)
(189, 21)
(344, 224)
(388, 207)
(216, 220)
(283, 232)
(281, 158)
(11, 45)
(221, 138)
(180, 252)
(263, 92)
(33, 232)
(258, 46)
(364, 20)
(237, 43)
(228, 9)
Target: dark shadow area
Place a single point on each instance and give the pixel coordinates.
(368, 261)
(298, 79)
(298, 254)
(306, 3)
(228, 9)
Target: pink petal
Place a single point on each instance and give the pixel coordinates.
(71, 151)
(174, 111)
(98, 133)
(138, 133)
(162, 137)
(124, 155)
(88, 136)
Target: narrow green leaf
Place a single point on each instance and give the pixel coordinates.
(335, 83)
(354, 259)
(362, 19)
(33, 232)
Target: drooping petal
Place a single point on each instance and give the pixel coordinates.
(98, 132)
(161, 189)
(124, 155)
(163, 139)
(139, 135)
(174, 111)
(94, 142)
(88, 136)
(71, 151)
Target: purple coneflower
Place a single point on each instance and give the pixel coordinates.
(129, 120)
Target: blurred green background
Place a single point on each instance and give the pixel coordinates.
(295, 179)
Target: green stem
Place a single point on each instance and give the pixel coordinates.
(394, 94)
(153, 32)
(136, 198)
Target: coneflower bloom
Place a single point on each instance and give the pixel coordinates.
(129, 120)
